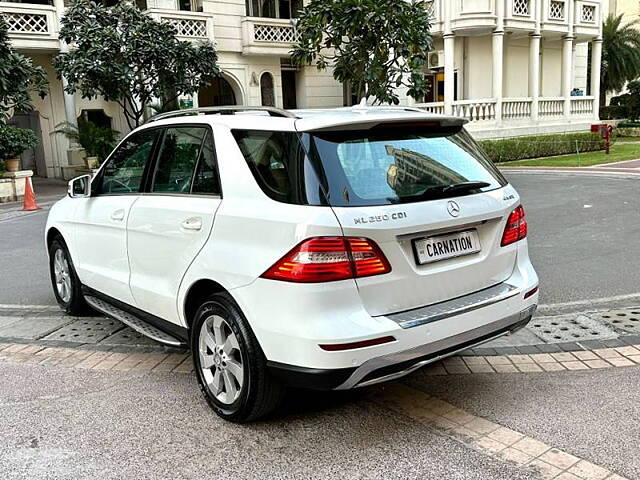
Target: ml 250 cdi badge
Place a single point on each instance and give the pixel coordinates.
(326, 249)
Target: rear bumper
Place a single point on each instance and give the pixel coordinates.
(398, 364)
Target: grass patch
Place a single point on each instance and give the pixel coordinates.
(619, 152)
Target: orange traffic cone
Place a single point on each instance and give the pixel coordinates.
(29, 197)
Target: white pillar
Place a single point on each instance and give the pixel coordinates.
(449, 72)
(69, 104)
(534, 74)
(567, 73)
(596, 61)
(498, 60)
(195, 100)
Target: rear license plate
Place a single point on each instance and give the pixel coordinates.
(441, 247)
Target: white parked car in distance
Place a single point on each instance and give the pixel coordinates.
(323, 249)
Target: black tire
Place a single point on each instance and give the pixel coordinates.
(75, 303)
(260, 393)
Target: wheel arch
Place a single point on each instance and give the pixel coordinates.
(52, 233)
(196, 294)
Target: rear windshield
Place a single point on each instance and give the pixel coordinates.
(394, 164)
(379, 166)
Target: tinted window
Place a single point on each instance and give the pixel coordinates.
(206, 178)
(177, 159)
(123, 173)
(392, 165)
(274, 159)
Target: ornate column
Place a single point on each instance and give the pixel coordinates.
(449, 72)
(534, 74)
(596, 61)
(498, 60)
(567, 73)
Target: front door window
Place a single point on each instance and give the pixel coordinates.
(125, 168)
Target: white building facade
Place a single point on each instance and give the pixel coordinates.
(517, 67)
(513, 67)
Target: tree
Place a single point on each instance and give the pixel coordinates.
(620, 54)
(127, 57)
(376, 46)
(19, 78)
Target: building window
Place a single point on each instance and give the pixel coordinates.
(267, 92)
(588, 14)
(556, 10)
(521, 7)
(190, 5)
(273, 8)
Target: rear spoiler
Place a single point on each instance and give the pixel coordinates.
(414, 119)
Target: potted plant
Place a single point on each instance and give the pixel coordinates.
(14, 141)
(97, 142)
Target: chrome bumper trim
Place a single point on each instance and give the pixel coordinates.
(464, 340)
(456, 306)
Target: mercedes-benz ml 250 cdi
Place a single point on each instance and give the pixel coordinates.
(326, 249)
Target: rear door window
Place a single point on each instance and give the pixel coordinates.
(177, 159)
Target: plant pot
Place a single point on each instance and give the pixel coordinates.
(92, 162)
(12, 164)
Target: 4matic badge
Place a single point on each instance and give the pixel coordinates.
(380, 218)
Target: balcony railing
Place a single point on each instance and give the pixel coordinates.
(551, 107)
(433, 107)
(516, 108)
(188, 25)
(31, 26)
(267, 36)
(475, 110)
(582, 106)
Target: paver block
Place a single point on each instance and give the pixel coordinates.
(86, 330)
(34, 328)
(625, 320)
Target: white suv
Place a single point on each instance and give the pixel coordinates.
(326, 249)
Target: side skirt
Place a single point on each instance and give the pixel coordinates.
(143, 322)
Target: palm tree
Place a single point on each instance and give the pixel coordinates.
(620, 54)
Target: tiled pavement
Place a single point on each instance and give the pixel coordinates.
(91, 358)
(489, 437)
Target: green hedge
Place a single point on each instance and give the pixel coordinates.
(520, 148)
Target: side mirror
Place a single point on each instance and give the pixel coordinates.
(80, 187)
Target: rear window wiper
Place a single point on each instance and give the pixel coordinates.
(442, 191)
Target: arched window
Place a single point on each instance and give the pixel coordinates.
(267, 91)
(217, 94)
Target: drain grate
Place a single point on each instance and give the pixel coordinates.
(627, 320)
(569, 328)
(86, 330)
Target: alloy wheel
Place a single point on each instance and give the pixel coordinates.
(62, 275)
(221, 359)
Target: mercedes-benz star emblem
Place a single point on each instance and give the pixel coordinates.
(453, 208)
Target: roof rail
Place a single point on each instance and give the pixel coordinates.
(227, 110)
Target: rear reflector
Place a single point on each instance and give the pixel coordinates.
(336, 347)
(327, 259)
(533, 291)
(516, 228)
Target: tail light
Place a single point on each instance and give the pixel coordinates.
(327, 259)
(516, 228)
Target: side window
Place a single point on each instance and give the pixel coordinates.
(273, 158)
(206, 178)
(177, 159)
(123, 173)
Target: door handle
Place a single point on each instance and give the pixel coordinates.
(192, 223)
(118, 215)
